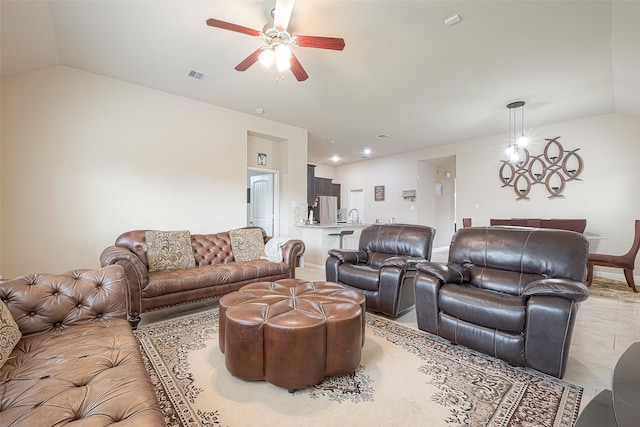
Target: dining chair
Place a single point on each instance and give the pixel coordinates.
(626, 261)
(466, 222)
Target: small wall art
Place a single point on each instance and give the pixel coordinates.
(262, 159)
(378, 193)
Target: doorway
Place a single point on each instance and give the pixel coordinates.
(262, 200)
(356, 201)
(436, 201)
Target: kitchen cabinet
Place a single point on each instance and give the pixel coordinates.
(311, 191)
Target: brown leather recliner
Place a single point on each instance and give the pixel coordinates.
(509, 292)
(383, 268)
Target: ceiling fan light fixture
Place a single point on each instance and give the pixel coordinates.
(278, 41)
(283, 57)
(267, 56)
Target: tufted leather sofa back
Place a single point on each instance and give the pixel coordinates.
(387, 240)
(208, 249)
(505, 259)
(50, 302)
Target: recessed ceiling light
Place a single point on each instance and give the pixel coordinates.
(382, 136)
(335, 159)
(366, 151)
(259, 110)
(331, 141)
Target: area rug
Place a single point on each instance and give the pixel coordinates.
(406, 377)
(609, 288)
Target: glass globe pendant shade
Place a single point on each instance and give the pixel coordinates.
(523, 140)
(514, 157)
(512, 153)
(509, 150)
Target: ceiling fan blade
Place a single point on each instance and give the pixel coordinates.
(232, 27)
(282, 14)
(297, 70)
(249, 60)
(320, 42)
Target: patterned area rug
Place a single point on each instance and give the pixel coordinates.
(406, 377)
(609, 288)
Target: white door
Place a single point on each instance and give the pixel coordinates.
(356, 201)
(261, 210)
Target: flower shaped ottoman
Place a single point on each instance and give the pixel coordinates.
(293, 332)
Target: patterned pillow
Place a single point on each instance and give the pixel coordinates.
(169, 250)
(9, 333)
(247, 244)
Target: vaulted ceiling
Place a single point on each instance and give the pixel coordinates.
(403, 72)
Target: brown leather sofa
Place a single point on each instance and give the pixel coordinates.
(216, 272)
(509, 292)
(77, 361)
(383, 268)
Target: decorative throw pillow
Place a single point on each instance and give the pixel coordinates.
(169, 250)
(247, 244)
(9, 333)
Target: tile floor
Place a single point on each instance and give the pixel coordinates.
(604, 329)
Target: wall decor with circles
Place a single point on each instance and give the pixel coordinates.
(553, 169)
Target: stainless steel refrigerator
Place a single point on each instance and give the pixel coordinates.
(327, 209)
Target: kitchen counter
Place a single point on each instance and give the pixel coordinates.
(335, 225)
(317, 241)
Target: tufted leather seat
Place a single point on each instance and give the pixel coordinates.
(216, 272)
(78, 360)
(510, 292)
(292, 332)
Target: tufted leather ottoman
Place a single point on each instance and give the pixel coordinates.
(292, 332)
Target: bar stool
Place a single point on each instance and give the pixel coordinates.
(341, 235)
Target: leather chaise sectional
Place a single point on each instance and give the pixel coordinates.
(77, 361)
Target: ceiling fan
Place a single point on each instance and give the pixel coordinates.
(278, 41)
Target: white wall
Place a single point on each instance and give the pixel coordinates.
(607, 194)
(326, 171)
(86, 158)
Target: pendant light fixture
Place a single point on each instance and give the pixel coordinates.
(516, 142)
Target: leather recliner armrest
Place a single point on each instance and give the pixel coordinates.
(564, 288)
(349, 256)
(445, 271)
(402, 262)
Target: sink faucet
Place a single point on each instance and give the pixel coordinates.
(357, 220)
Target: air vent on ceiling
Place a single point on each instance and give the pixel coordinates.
(198, 75)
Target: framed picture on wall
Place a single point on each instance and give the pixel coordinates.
(262, 159)
(378, 193)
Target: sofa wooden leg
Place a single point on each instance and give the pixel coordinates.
(133, 321)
